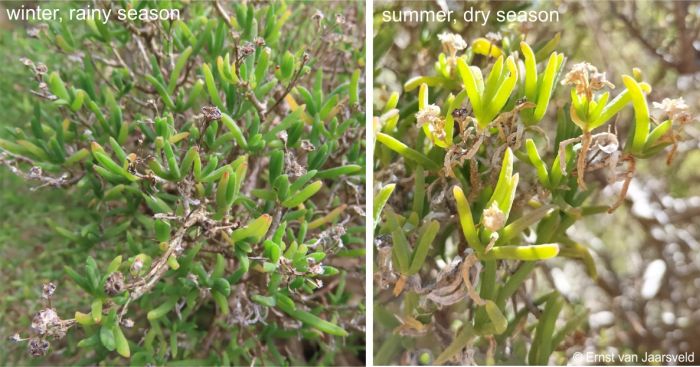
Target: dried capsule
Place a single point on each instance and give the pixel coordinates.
(114, 284)
(37, 347)
(247, 49)
(460, 114)
(44, 320)
(259, 42)
(452, 43)
(48, 290)
(211, 113)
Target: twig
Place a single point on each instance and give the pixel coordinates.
(176, 246)
(222, 12)
(292, 83)
(637, 33)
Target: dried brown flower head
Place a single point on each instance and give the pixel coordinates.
(452, 43)
(676, 109)
(600, 81)
(48, 290)
(114, 284)
(606, 142)
(460, 114)
(44, 320)
(26, 61)
(41, 68)
(586, 79)
(430, 115)
(37, 347)
(259, 41)
(211, 113)
(318, 18)
(293, 168)
(306, 145)
(246, 50)
(493, 218)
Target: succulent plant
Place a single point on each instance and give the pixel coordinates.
(220, 158)
(472, 195)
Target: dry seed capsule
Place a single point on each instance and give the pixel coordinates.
(43, 320)
(48, 290)
(114, 284)
(37, 347)
(211, 113)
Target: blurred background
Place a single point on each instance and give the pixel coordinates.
(646, 297)
(28, 255)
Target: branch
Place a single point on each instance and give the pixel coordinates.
(222, 12)
(291, 84)
(637, 33)
(175, 247)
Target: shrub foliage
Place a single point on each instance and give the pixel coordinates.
(220, 159)
(474, 195)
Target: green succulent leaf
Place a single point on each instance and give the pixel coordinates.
(425, 239)
(380, 200)
(107, 337)
(407, 152)
(304, 194)
(401, 247)
(641, 114)
(524, 253)
(466, 220)
(542, 346)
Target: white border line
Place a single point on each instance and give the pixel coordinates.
(369, 184)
